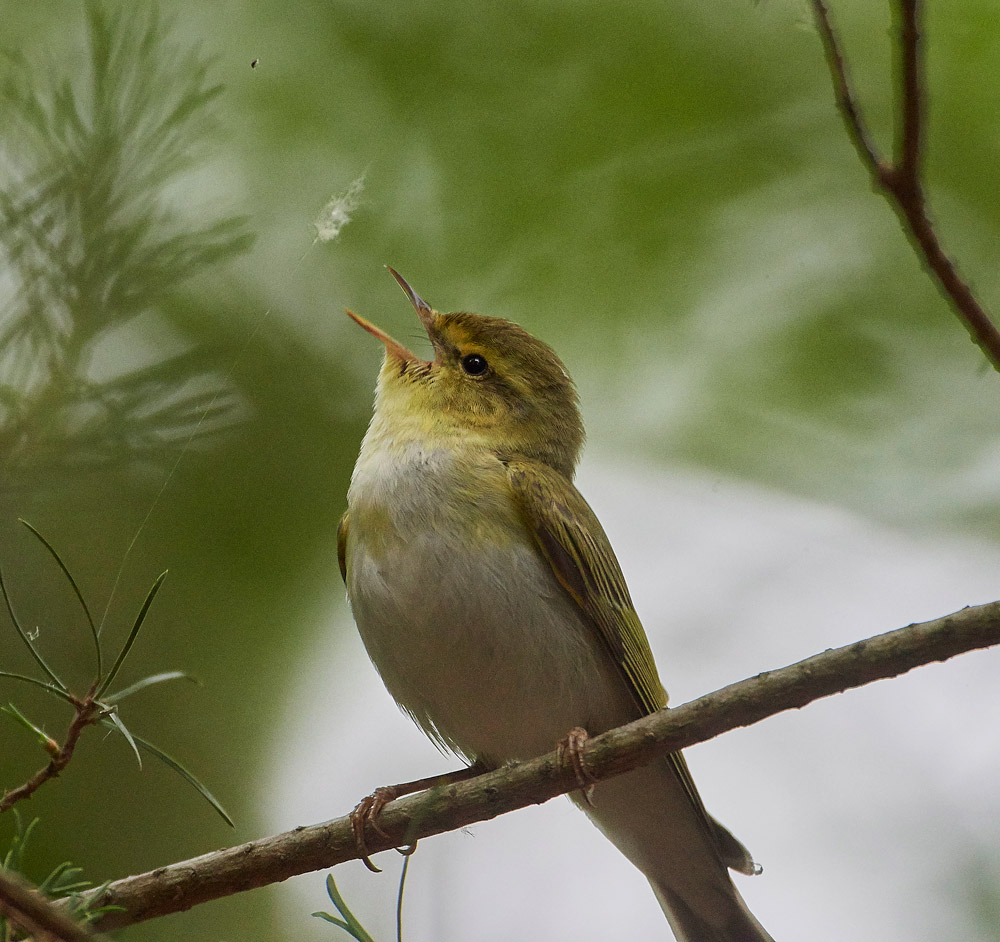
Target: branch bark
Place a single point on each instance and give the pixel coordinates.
(37, 915)
(900, 180)
(87, 714)
(272, 859)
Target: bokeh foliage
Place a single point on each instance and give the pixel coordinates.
(93, 243)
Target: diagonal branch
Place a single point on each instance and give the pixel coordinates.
(222, 873)
(28, 909)
(850, 111)
(911, 80)
(900, 181)
(88, 712)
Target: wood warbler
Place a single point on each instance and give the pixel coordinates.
(492, 604)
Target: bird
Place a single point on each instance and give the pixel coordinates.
(492, 605)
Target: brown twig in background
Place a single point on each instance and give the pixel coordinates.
(182, 885)
(34, 913)
(909, 143)
(856, 128)
(87, 713)
(900, 180)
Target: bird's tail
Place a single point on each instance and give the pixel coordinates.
(650, 816)
(729, 921)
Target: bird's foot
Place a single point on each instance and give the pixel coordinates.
(570, 752)
(367, 811)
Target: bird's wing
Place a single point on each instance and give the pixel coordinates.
(573, 542)
(342, 529)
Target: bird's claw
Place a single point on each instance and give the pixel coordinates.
(366, 812)
(570, 751)
(368, 809)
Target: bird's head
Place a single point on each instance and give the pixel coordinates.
(489, 378)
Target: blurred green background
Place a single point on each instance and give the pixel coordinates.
(662, 190)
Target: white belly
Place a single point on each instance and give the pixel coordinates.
(474, 638)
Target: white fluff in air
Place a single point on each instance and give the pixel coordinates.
(337, 213)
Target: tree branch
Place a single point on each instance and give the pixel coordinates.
(87, 714)
(857, 130)
(900, 181)
(37, 915)
(272, 859)
(910, 143)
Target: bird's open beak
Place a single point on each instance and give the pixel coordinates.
(424, 311)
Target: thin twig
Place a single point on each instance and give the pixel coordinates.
(87, 714)
(31, 911)
(182, 885)
(910, 139)
(856, 127)
(900, 181)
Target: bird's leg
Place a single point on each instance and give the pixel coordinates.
(368, 809)
(570, 751)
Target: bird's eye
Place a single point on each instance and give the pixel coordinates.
(474, 364)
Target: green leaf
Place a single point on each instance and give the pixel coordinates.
(186, 775)
(76, 589)
(39, 683)
(47, 742)
(21, 633)
(63, 879)
(149, 682)
(333, 919)
(80, 905)
(14, 858)
(133, 634)
(115, 720)
(349, 923)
